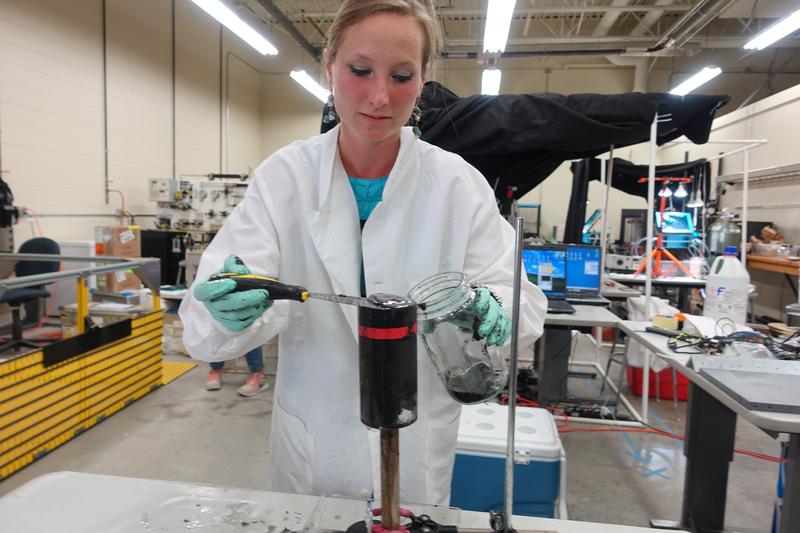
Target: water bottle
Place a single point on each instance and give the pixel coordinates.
(726, 290)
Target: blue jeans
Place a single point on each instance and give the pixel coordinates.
(255, 361)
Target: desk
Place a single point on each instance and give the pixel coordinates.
(684, 285)
(640, 279)
(776, 264)
(71, 502)
(555, 348)
(587, 316)
(710, 431)
(614, 290)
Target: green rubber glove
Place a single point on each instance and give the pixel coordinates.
(234, 310)
(494, 325)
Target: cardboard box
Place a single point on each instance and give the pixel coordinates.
(118, 241)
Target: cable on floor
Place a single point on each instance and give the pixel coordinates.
(649, 429)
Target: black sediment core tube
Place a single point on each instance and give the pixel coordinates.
(387, 353)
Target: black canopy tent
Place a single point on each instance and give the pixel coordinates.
(518, 140)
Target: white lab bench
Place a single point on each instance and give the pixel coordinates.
(614, 290)
(554, 348)
(710, 431)
(71, 502)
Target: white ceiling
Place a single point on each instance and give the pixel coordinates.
(568, 34)
(560, 24)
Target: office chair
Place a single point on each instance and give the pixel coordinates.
(17, 297)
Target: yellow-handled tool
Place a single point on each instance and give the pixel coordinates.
(282, 291)
(276, 289)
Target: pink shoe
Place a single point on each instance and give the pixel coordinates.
(214, 380)
(254, 384)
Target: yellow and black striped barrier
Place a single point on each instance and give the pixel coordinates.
(50, 395)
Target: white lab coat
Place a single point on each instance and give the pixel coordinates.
(299, 222)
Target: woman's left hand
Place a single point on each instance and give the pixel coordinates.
(494, 325)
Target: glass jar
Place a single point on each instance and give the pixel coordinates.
(471, 370)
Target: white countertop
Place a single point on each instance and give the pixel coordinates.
(771, 421)
(71, 502)
(614, 289)
(585, 315)
(639, 279)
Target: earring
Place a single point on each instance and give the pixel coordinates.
(329, 116)
(416, 115)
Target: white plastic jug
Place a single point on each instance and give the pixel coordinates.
(726, 289)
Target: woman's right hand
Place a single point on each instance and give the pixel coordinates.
(494, 325)
(234, 310)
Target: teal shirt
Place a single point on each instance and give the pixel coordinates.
(368, 192)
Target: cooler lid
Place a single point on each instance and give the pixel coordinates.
(484, 429)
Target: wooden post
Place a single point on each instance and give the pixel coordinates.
(390, 479)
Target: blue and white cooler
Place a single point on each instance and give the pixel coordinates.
(539, 464)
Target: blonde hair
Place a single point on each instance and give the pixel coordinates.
(354, 11)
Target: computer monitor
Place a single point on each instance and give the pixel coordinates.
(583, 268)
(675, 223)
(546, 267)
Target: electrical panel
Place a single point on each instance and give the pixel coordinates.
(197, 206)
(161, 189)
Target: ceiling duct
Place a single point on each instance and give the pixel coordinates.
(669, 44)
(697, 18)
(287, 25)
(691, 23)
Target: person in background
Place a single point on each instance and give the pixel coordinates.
(365, 208)
(256, 381)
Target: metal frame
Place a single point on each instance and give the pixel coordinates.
(147, 269)
(746, 145)
(749, 144)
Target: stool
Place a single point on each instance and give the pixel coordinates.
(621, 359)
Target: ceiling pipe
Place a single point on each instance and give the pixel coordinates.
(634, 44)
(684, 29)
(535, 53)
(522, 12)
(639, 64)
(691, 23)
(287, 25)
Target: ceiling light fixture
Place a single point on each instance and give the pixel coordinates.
(775, 33)
(681, 191)
(498, 22)
(704, 76)
(231, 20)
(665, 191)
(308, 83)
(490, 82)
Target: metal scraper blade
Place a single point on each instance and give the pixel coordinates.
(343, 299)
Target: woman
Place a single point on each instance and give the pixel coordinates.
(302, 220)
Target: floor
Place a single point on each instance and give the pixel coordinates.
(182, 432)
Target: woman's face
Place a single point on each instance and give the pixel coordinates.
(377, 76)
